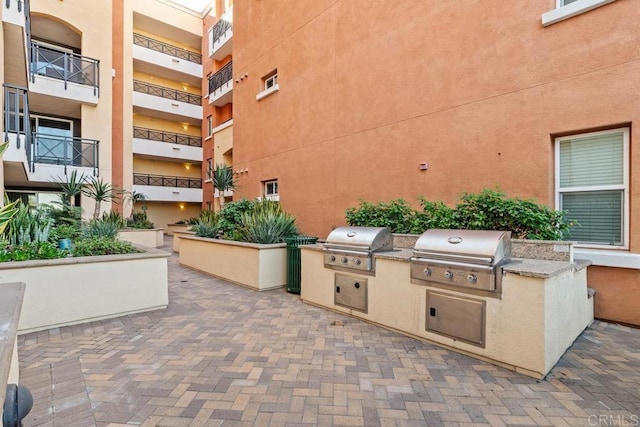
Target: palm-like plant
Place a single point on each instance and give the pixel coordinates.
(100, 191)
(70, 187)
(223, 180)
(135, 197)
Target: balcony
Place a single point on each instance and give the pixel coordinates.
(163, 102)
(64, 74)
(17, 131)
(221, 86)
(155, 57)
(221, 37)
(157, 143)
(54, 155)
(15, 30)
(168, 188)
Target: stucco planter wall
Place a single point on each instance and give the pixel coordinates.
(177, 235)
(256, 266)
(70, 291)
(172, 228)
(152, 238)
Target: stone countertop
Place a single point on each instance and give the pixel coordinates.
(523, 266)
(11, 295)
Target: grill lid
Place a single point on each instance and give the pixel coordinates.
(483, 246)
(370, 239)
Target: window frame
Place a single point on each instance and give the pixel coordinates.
(624, 187)
(563, 12)
(209, 126)
(265, 80)
(275, 196)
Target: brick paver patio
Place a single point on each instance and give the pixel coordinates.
(225, 355)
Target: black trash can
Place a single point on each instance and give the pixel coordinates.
(293, 261)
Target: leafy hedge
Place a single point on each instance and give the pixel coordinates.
(487, 210)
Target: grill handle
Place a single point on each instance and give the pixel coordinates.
(454, 264)
(347, 251)
(440, 257)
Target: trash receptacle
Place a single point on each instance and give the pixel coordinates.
(293, 261)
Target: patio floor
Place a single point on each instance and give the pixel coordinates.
(225, 355)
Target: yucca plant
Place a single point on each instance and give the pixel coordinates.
(267, 223)
(29, 225)
(71, 187)
(223, 180)
(114, 217)
(100, 191)
(101, 229)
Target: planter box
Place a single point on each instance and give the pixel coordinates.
(70, 291)
(172, 228)
(153, 238)
(259, 267)
(177, 236)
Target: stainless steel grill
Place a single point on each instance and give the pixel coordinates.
(352, 248)
(469, 259)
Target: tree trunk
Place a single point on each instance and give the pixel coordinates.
(96, 210)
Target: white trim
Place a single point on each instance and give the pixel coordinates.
(578, 7)
(624, 187)
(273, 89)
(222, 127)
(606, 258)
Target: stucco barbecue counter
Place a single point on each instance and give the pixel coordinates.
(543, 307)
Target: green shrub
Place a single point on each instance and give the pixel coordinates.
(396, 214)
(100, 229)
(433, 215)
(65, 231)
(231, 217)
(115, 218)
(139, 220)
(29, 225)
(206, 229)
(30, 251)
(266, 223)
(101, 246)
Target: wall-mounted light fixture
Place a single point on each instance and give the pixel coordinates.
(187, 166)
(181, 206)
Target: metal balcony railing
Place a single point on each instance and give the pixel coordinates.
(170, 137)
(66, 151)
(165, 92)
(219, 30)
(162, 47)
(166, 181)
(16, 117)
(221, 77)
(66, 66)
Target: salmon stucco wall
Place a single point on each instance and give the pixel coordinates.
(618, 293)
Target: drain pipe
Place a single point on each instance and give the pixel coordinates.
(17, 405)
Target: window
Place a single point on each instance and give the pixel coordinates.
(209, 126)
(566, 9)
(209, 169)
(592, 178)
(270, 85)
(271, 190)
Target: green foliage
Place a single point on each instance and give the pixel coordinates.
(30, 251)
(65, 231)
(101, 246)
(115, 218)
(206, 229)
(100, 191)
(99, 229)
(7, 212)
(223, 180)
(231, 217)
(28, 225)
(396, 214)
(140, 221)
(208, 216)
(70, 187)
(267, 223)
(487, 210)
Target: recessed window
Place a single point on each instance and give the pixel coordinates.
(269, 85)
(270, 82)
(271, 190)
(561, 3)
(209, 169)
(592, 182)
(566, 9)
(209, 126)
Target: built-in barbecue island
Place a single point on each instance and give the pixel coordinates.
(518, 304)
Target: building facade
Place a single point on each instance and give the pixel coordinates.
(351, 99)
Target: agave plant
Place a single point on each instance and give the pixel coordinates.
(100, 191)
(267, 223)
(223, 180)
(29, 225)
(7, 212)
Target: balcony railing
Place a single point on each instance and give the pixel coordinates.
(162, 47)
(166, 181)
(167, 93)
(221, 77)
(65, 151)
(66, 66)
(170, 137)
(218, 30)
(16, 117)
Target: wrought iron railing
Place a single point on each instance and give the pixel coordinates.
(16, 117)
(221, 77)
(167, 93)
(162, 47)
(66, 66)
(219, 30)
(166, 181)
(170, 137)
(66, 151)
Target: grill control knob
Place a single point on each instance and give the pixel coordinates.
(344, 260)
(332, 257)
(357, 261)
(472, 278)
(427, 272)
(448, 275)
